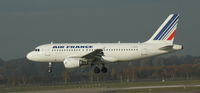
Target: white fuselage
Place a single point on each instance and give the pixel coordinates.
(78, 54)
(113, 52)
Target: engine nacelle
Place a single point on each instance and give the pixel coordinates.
(109, 59)
(74, 62)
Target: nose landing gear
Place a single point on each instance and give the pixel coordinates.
(50, 67)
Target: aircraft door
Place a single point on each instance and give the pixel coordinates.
(144, 51)
(47, 53)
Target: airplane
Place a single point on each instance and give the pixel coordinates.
(97, 55)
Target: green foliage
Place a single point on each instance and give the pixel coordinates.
(23, 72)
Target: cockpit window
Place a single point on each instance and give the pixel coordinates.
(37, 50)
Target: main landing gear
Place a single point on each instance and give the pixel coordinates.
(98, 70)
(50, 67)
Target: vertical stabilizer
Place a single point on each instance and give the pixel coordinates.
(166, 32)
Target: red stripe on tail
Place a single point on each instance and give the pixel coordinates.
(172, 35)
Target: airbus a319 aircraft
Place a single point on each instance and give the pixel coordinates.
(97, 55)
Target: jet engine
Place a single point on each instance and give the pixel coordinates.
(74, 62)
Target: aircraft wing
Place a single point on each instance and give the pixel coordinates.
(98, 53)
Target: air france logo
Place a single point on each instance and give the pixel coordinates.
(72, 46)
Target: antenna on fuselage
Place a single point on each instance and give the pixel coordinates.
(51, 42)
(119, 42)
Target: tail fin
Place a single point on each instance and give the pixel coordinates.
(166, 32)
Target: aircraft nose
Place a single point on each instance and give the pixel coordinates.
(29, 56)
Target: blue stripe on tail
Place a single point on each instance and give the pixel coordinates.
(165, 27)
(167, 30)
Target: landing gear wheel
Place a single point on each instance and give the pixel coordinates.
(50, 67)
(104, 69)
(96, 70)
